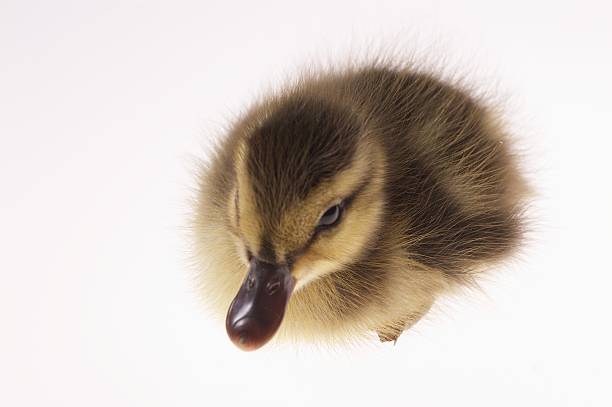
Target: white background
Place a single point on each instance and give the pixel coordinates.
(105, 107)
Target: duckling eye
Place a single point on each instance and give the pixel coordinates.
(331, 217)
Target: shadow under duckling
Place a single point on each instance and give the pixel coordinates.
(349, 202)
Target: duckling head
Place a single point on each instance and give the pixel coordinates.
(307, 200)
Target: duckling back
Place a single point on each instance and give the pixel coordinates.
(452, 182)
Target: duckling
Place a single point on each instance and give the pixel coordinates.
(348, 202)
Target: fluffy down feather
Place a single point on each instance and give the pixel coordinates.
(436, 197)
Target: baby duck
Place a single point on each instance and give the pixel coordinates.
(349, 202)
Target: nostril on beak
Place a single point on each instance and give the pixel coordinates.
(272, 286)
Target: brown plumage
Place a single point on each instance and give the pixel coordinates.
(371, 190)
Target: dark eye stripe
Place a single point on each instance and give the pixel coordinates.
(347, 203)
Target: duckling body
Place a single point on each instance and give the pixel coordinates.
(414, 173)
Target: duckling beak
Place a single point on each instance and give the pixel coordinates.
(258, 309)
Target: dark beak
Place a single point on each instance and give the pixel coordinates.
(258, 309)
